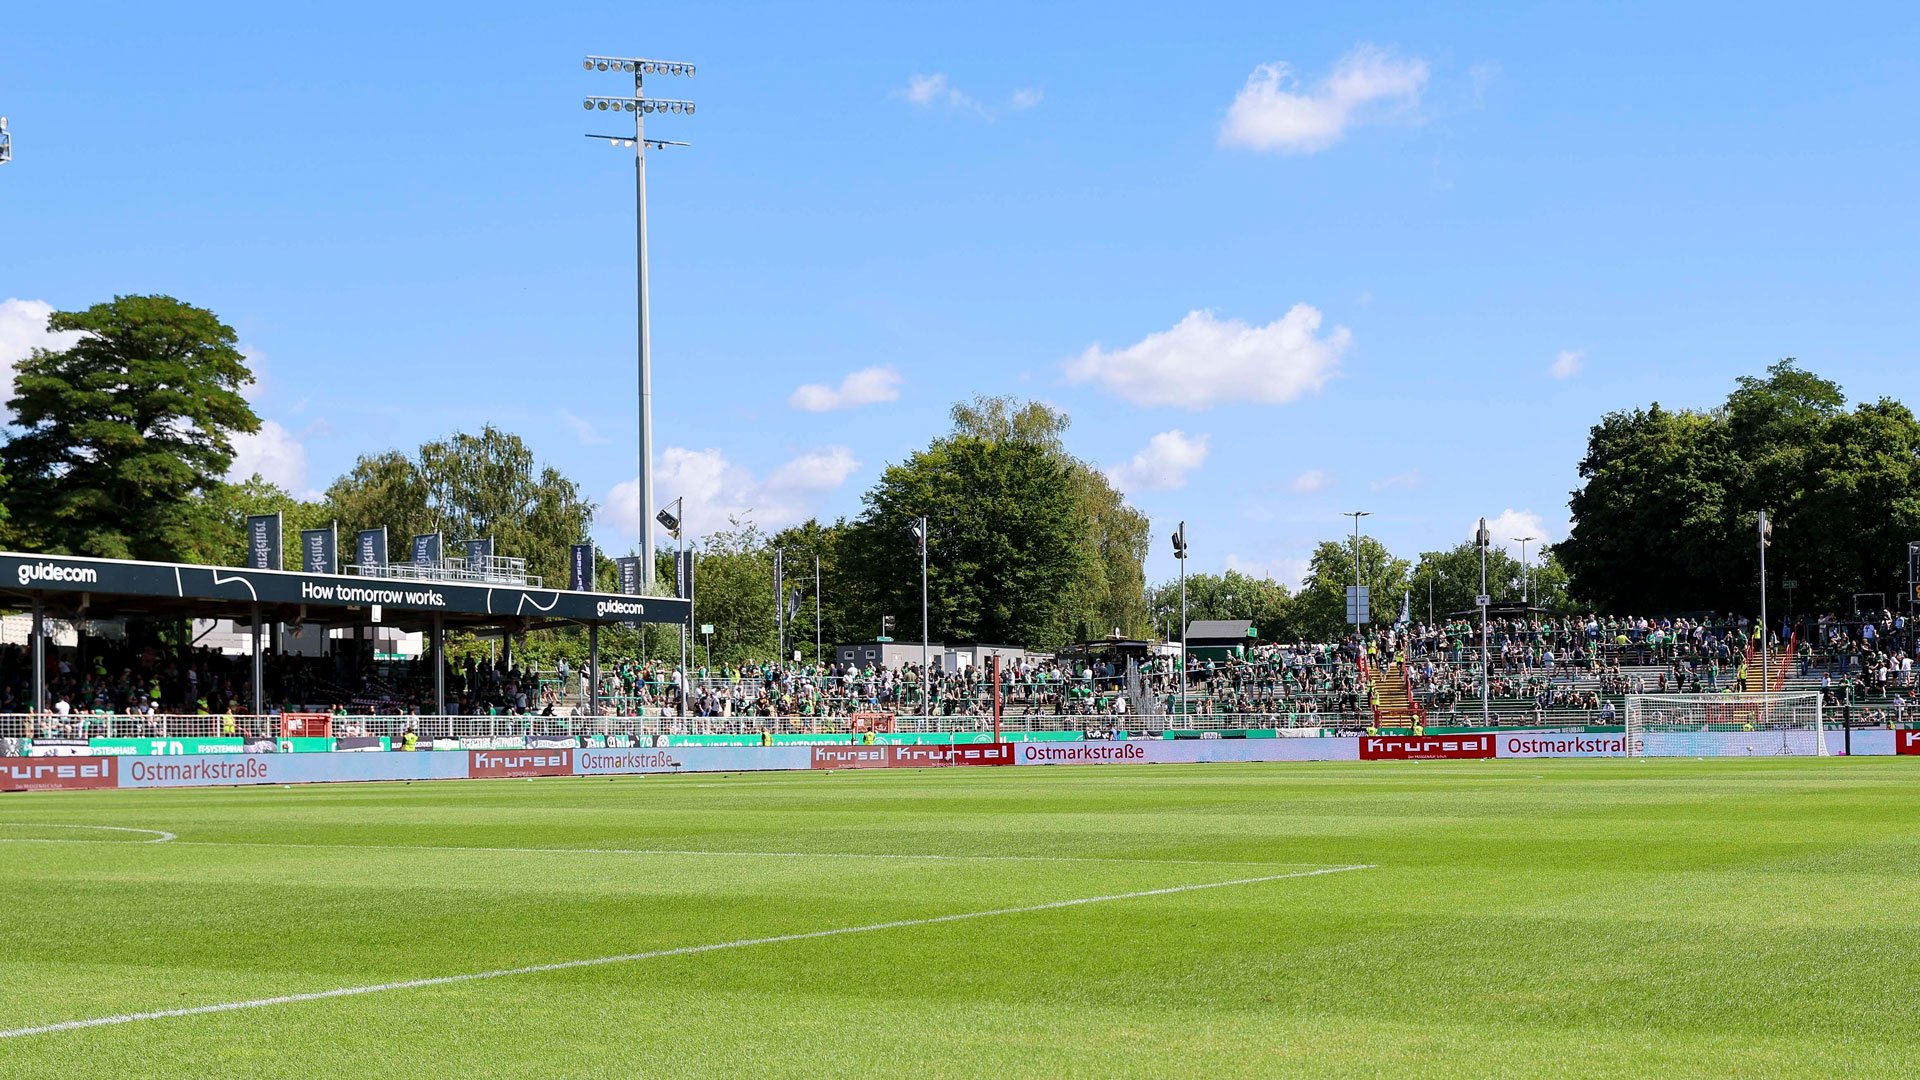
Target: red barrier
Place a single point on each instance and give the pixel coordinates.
(58, 773)
(1424, 747)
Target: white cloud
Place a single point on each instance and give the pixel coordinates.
(1516, 523)
(1163, 464)
(1288, 572)
(932, 90)
(1205, 361)
(1405, 481)
(275, 454)
(717, 490)
(1026, 98)
(867, 386)
(256, 363)
(1273, 112)
(816, 470)
(1311, 481)
(1568, 363)
(583, 429)
(23, 328)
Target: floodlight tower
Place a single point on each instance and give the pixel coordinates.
(640, 105)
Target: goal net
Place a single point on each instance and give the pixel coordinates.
(1725, 725)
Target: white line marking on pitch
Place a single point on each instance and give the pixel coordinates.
(689, 853)
(160, 836)
(628, 958)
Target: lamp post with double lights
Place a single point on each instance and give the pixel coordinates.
(641, 106)
(1526, 570)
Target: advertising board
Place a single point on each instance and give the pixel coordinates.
(57, 774)
(1559, 744)
(1425, 747)
(217, 770)
(1185, 751)
(494, 764)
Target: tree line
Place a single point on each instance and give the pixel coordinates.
(121, 441)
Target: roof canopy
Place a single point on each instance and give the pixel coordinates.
(76, 587)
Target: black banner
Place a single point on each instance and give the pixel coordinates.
(580, 568)
(27, 574)
(683, 574)
(320, 551)
(427, 549)
(370, 550)
(263, 541)
(629, 570)
(478, 552)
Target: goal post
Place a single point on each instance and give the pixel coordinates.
(1726, 725)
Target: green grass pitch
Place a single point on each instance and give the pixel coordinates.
(1665, 918)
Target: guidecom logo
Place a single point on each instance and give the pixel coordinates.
(618, 607)
(46, 571)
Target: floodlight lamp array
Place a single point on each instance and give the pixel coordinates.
(633, 65)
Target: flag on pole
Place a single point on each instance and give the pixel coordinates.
(1406, 609)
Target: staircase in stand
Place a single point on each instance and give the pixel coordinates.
(1768, 674)
(1393, 706)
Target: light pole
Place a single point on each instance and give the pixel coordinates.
(926, 671)
(1526, 568)
(1483, 540)
(1766, 539)
(1356, 515)
(640, 105)
(1180, 552)
(669, 519)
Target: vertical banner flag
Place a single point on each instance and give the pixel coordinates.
(478, 552)
(427, 549)
(629, 571)
(263, 541)
(683, 574)
(580, 568)
(371, 548)
(320, 550)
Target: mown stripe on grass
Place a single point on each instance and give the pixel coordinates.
(628, 958)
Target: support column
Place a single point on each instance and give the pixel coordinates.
(259, 668)
(593, 670)
(39, 655)
(439, 665)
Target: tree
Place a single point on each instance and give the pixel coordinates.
(123, 429)
(1008, 558)
(468, 486)
(221, 516)
(734, 592)
(1665, 520)
(1114, 594)
(1232, 595)
(1320, 611)
(801, 544)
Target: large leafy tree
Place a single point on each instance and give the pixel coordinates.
(221, 517)
(1320, 611)
(1008, 558)
(1665, 519)
(121, 431)
(1114, 592)
(1233, 595)
(467, 486)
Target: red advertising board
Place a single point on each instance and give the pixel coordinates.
(919, 756)
(1423, 747)
(58, 774)
(508, 763)
(1906, 742)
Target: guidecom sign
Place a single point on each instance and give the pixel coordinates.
(63, 573)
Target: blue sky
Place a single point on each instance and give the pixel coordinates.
(1277, 261)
